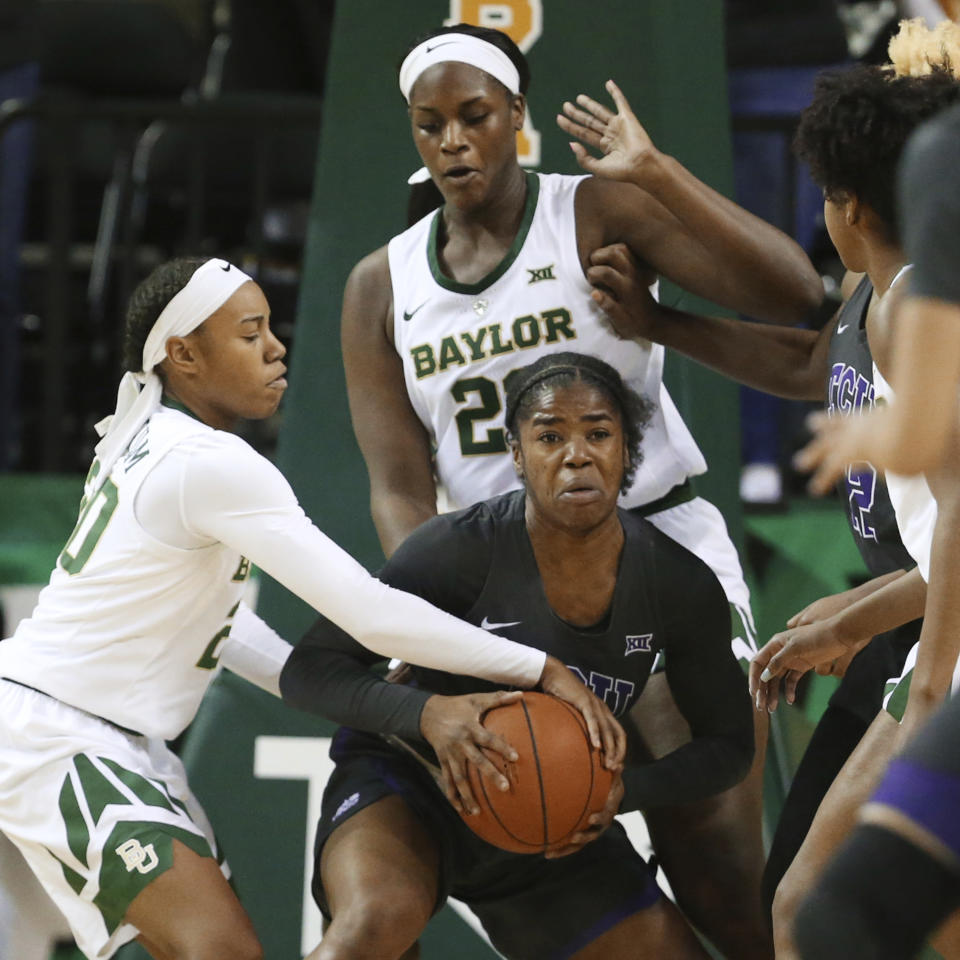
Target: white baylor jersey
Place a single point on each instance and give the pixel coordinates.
(458, 341)
(129, 628)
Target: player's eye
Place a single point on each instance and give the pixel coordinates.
(428, 127)
(477, 118)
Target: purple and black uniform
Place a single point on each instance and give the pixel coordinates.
(873, 523)
(478, 564)
(882, 894)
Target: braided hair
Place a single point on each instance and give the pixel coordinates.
(147, 302)
(526, 386)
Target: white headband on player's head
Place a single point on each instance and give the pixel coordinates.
(462, 48)
(208, 289)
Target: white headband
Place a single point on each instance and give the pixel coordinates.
(462, 48)
(208, 289)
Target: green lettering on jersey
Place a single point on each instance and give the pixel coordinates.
(424, 363)
(450, 354)
(136, 454)
(243, 571)
(526, 332)
(497, 347)
(211, 654)
(558, 321)
(475, 343)
(93, 520)
(489, 397)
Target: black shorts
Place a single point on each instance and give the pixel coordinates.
(531, 908)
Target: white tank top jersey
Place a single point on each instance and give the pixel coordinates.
(458, 341)
(128, 631)
(913, 503)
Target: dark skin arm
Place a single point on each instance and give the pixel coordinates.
(785, 361)
(392, 439)
(678, 225)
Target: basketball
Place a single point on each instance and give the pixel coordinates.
(556, 783)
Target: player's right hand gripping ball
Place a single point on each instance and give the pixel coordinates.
(556, 783)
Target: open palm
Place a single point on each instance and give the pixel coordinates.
(620, 136)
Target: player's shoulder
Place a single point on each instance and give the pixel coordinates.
(477, 523)
(672, 562)
(370, 270)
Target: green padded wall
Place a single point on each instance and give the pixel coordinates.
(669, 60)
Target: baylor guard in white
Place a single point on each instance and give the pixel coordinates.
(141, 610)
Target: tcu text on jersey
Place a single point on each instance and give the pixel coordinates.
(849, 393)
(615, 692)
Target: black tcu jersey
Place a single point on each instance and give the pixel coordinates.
(479, 565)
(869, 510)
(850, 390)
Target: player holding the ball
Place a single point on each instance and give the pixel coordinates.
(558, 566)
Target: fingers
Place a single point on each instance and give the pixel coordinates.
(790, 681)
(598, 114)
(581, 125)
(621, 102)
(615, 255)
(587, 162)
(759, 666)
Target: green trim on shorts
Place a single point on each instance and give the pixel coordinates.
(135, 854)
(77, 881)
(138, 850)
(896, 694)
(78, 834)
(147, 792)
(98, 791)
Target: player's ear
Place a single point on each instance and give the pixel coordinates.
(517, 455)
(182, 355)
(518, 110)
(852, 211)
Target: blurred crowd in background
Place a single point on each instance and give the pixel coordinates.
(97, 185)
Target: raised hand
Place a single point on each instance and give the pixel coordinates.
(838, 442)
(620, 136)
(453, 727)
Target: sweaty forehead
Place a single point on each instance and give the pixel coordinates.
(455, 80)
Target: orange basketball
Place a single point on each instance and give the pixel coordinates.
(556, 783)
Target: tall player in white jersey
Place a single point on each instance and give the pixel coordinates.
(144, 605)
(502, 273)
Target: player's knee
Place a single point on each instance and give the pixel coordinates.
(380, 929)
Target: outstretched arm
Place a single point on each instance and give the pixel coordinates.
(787, 361)
(683, 228)
(392, 439)
(816, 642)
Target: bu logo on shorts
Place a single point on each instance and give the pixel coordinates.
(137, 857)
